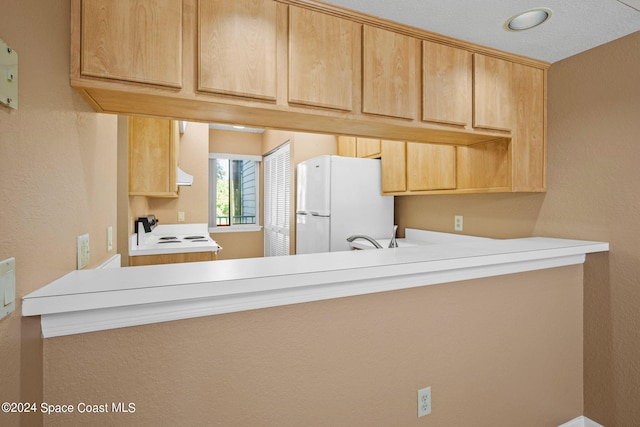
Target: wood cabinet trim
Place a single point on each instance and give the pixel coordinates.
(365, 19)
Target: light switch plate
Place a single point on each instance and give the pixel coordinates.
(83, 251)
(7, 286)
(8, 76)
(109, 238)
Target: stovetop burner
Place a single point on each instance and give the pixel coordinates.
(169, 241)
(195, 238)
(168, 238)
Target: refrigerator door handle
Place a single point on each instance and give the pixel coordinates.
(312, 213)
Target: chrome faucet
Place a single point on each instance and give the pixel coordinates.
(361, 236)
(393, 243)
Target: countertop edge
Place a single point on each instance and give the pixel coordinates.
(73, 313)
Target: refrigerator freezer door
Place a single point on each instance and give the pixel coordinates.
(314, 186)
(357, 206)
(312, 234)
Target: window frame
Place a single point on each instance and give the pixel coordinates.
(213, 227)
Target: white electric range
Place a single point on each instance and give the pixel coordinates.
(152, 238)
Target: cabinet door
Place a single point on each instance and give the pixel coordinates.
(237, 47)
(394, 166)
(528, 142)
(153, 157)
(323, 55)
(446, 96)
(367, 147)
(430, 166)
(347, 146)
(135, 40)
(389, 73)
(491, 93)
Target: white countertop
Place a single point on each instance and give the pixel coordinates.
(90, 300)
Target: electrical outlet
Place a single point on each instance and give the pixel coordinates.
(83, 251)
(424, 401)
(180, 216)
(458, 223)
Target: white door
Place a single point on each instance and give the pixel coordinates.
(277, 190)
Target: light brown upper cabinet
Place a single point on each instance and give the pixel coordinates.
(491, 93)
(529, 155)
(311, 67)
(389, 86)
(153, 157)
(137, 41)
(347, 146)
(430, 167)
(237, 48)
(367, 147)
(324, 52)
(446, 84)
(393, 164)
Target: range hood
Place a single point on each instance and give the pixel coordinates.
(183, 178)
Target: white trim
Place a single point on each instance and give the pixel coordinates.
(232, 156)
(93, 300)
(581, 421)
(240, 228)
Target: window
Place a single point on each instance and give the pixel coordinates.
(234, 183)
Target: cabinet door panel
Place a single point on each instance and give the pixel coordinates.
(528, 144)
(237, 47)
(446, 88)
(485, 165)
(135, 40)
(394, 166)
(152, 157)
(347, 146)
(323, 55)
(492, 93)
(367, 147)
(431, 166)
(389, 73)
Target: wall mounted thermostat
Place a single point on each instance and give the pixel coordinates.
(8, 76)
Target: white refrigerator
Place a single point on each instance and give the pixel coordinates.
(338, 197)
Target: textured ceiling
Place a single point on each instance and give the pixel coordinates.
(575, 25)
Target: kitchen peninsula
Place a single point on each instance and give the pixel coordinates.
(92, 300)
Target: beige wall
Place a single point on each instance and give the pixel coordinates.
(593, 172)
(57, 181)
(497, 352)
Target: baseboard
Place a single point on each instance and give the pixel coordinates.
(581, 422)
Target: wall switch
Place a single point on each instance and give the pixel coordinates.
(7, 286)
(83, 251)
(458, 223)
(109, 238)
(180, 216)
(424, 401)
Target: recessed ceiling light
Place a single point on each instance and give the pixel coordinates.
(529, 19)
